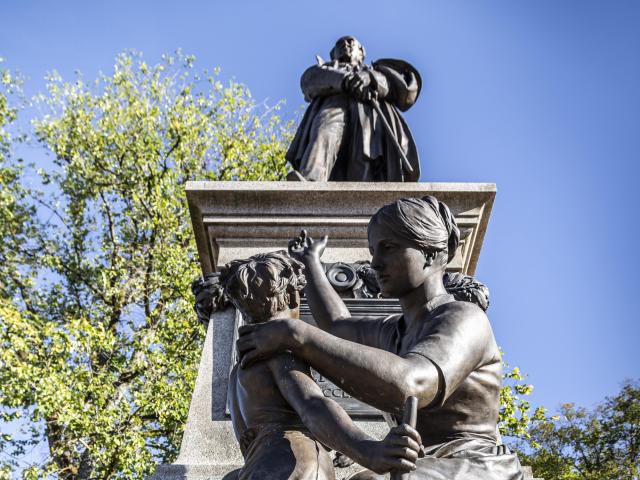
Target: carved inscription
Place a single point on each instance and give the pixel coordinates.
(329, 390)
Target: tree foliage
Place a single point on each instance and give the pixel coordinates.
(98, 340)
(15, 231)
(515, 415)
(579, 444)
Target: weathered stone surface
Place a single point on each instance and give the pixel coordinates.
(238, 219)
(194, 472)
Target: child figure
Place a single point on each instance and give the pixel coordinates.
(280, 416)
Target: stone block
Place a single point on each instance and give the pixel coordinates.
(238, 219)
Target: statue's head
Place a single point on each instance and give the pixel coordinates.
(348, 50)
(410, 240)
(264, 285)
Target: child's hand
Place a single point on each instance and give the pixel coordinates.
(303, 247)
(259, 341)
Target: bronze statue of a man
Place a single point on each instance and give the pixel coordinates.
(280, 416)
(352, 130)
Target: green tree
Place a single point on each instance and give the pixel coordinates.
(578, 444)
(516, 416)
(16, 254)
(98, 341)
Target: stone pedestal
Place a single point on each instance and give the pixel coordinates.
(238, 219)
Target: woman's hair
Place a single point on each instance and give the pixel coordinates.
(424, 222)
(263, 284)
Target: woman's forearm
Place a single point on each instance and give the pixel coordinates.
(379, 378)
(325, 304)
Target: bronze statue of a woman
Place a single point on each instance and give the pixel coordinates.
(440, 350)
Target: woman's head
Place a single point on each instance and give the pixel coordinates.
(407, 236)
(263, 285)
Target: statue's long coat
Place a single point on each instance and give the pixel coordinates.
(365, 149)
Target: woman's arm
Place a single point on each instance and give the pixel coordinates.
(325, 304)
(327, 308)
(379, 378)
(331, 425)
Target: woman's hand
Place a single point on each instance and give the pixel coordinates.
(263, 340)
(398, 451)
(303, 247)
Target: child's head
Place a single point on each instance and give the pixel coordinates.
(263, 285)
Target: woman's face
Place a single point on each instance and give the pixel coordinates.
(400, 268)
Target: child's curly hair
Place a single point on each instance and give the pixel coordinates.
(263, 284)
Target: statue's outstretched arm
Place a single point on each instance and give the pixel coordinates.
(327, 308)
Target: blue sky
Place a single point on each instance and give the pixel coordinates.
(542, 98)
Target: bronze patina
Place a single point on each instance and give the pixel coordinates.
(439, 349)
(352, 129)
(281, 418)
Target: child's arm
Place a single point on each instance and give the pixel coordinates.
(331, 425)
